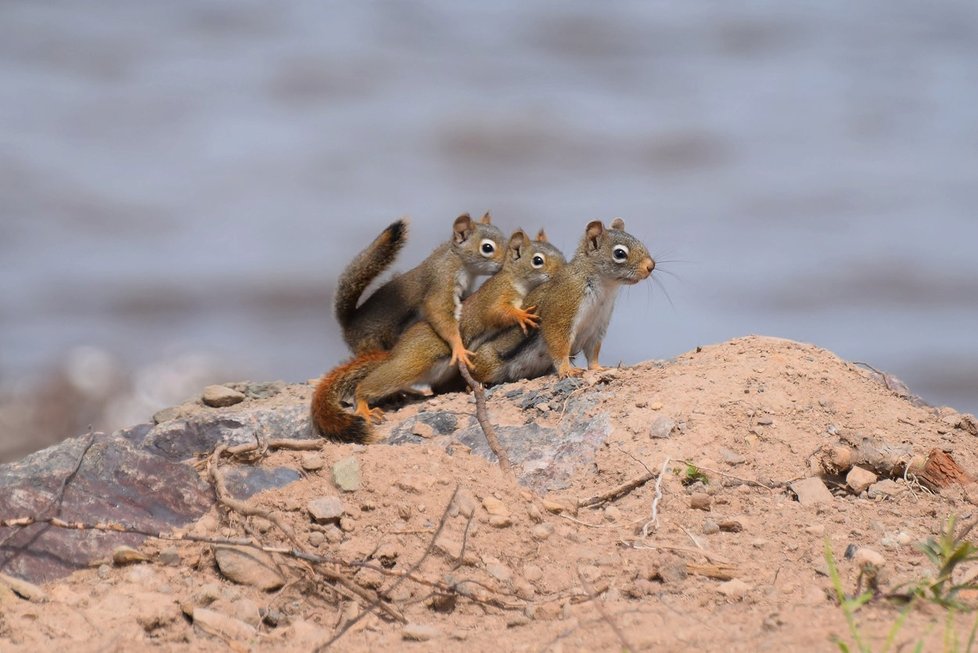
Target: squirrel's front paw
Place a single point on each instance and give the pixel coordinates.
(567, 370)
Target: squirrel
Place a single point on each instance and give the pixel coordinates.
(421, 356)
(432, 291)
(574, 309)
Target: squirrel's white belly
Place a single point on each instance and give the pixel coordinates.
(593, 316)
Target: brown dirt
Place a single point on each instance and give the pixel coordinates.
(749, 412)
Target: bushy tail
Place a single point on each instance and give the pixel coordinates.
(328, 417)
(366, 267)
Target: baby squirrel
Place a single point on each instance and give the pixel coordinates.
(574, 309)
(432, 291)
(421, 356)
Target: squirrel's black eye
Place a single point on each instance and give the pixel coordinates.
(538, 260)
(487, 247)
(620, 253)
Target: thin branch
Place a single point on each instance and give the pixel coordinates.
(653, 521)
(616, 492)
(482, 414)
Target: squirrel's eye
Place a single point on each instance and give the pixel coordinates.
(538, 260)
(487, 247)
(620, 253)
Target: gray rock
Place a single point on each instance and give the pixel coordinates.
(859, 479)
(169, 557)
(663, 427)
(346, 474)
(311, 462)
(731, 457)
(710, 527)
(811, 491)
(116, 482)
(220, 396)
(886, 488)
(249, 566)
(326, 509)
(700, 501)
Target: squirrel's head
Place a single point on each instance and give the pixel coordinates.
(616, 254)
(480, 245)
(532, 261)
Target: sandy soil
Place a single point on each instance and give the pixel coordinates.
(750, 414)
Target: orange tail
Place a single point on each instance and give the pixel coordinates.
(328, 417)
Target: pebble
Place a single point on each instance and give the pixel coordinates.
(557, 505)
(220, 625)
(495, 507)
(466, 503)
(612, 514)
(867, 556)
(523, 589)
(169, 557)
(672, 572)
(731, 457)
(346, 474)
(249, 566)
(541, 532)
(886, 488)
(532, 573)
(419, 632)
(710, 527)
(333, 534)
(700, 501)
(104, 572)
(811, 491)
(765, 421)
(731, 526)
(326, 509)
(734, 588)
(423, 430)
(25, 589)
(817, 530)
(662, 427)
(316, 539)
(500, 521)
(219, 396)
(656, 405)
(311, 462)
(500, 572)
(859, 479)
(534, 512)
(126, 555)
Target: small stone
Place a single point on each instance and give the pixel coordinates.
(700, 501)
(126, 555)
(219, 396)
(859, 479)
(517, 620)
(672, 572)
(500, 521)
(249, 566)
(169, 557)
(731, 457)
(316, 539)
(466, 503)
(419, 632)
(867, 556)
(347, 524)
(326, 509)
(311, 462)
(423, 430)
(534, 513)
(532, 573)
(523, 589)
(495, 507)
(333, 534)
(104, 572)
(816, 530)
(656, 405)
(222, 626)
(710, 527)
(500, 572)
(811, 491)
(404, 511)
(541, 532)
(612, 514)
(734, 588)
(24, 589)
(886, 488)
(558, 505)
(765, 421)
(346, 474)
(662, 427)
(731, 526)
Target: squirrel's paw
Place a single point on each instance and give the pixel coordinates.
(462, 354)
(371, 415)
(526, 318)
(567, 370)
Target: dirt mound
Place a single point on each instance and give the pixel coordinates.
(462, 555)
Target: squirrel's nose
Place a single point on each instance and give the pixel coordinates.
(648, 266)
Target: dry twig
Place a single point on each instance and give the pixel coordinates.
(482, 414)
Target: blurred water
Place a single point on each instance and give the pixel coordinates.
(189, 176)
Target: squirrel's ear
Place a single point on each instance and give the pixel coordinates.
(593, 233)
(516, 244)
(618, 224)
(486, 218)
(542, 237)
(462, 228)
